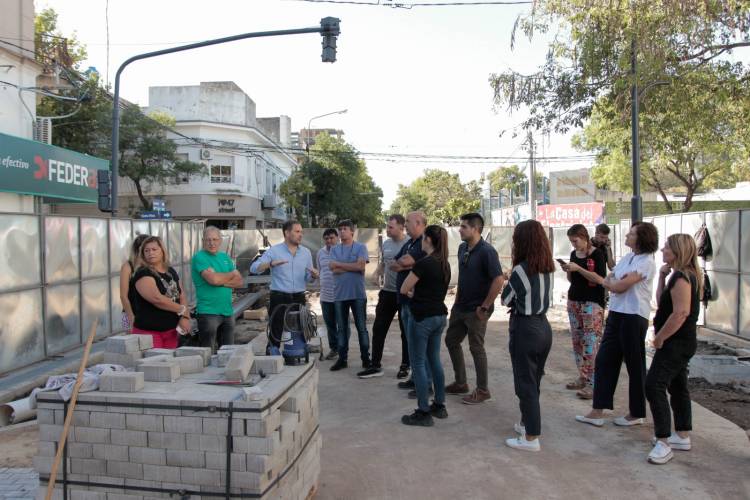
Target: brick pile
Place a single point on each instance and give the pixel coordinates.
(136, 439)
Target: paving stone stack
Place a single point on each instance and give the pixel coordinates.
(173, 436)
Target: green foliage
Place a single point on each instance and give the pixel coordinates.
(440, 195)
(338, 185)
(511, 178)
(51, 45)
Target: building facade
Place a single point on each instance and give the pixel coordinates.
(246, 158)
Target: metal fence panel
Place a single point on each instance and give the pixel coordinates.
(116, 304)
(745, 247)
(691, 223)
(120, 241)
(141, 227)
(246, 245)
(175, 242)
(186, 282)
(19, 254)
(63, 321)
(744, 319)
(159, 228)
(95, 305)
(722, 314)
(61, 249)
(93, 248)
(21, 329)
(724, 229)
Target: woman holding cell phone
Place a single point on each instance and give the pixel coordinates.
(586, 301)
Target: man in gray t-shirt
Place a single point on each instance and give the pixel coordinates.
(387, 302)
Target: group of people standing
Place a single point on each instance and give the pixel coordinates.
(154, 301)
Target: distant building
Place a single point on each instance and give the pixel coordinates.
(306, 138)
(247, 158)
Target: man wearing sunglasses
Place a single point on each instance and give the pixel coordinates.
(480, 280)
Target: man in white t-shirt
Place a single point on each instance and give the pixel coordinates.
(327, 298)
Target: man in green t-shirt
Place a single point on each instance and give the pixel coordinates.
(214, 276)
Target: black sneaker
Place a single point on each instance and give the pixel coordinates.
(438, 411)
(403, 371)
(409, 384)
(366, 363)
(419, 418)
(339, 365)
(332, 355)
(370, 373)
(413, 393)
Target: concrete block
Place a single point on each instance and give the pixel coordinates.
(190, 364)
(159, 358)
(123, 496)
(129, 437)
(125, 404)
(231, 347)
(257, 445)
(92, 435)
(220, 427)
(122, 344)
(268, 364)
(50, 432)
(247, 481)
(116, 452)
(223, 358)
(46, 449)
(252, 393)
(145, 342)
(162, 473)
(202, 477)
(160, 372)
(183, 425)
(106, 420)
(265, 427)
(298, 398)
(218, 461)
(158, 351)
(44, 416)
(87, 495)
(148, 456)
(186, 458)
(166, 440)
(205, 443)
(256, 314)
(258, 463)
(144, 423)
(124, 470)
(127, 360)
(258, 345)
(239, 364)
(289, 423)
(121, 381)
(196, 351)
(87, 466)
(81, 450)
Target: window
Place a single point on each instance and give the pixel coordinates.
(221, 174)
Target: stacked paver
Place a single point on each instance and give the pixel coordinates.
(153, 439)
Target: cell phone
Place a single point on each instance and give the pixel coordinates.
(562, 262)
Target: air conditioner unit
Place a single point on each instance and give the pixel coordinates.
(205, 154)
(43, 130)
(269, 201)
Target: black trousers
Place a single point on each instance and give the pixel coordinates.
(277, 325)
(623, 340)
(530, 343)
(669, 372)
(386, 309)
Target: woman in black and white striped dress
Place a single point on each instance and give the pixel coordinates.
(528, 296)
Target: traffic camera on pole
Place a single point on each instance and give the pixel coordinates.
(329, 31)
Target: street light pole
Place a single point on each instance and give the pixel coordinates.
(636, 203)
(307, 149)
(328, 29)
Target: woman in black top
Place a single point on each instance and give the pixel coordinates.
(427, 284)
(158, 300)
(675, 341)
(585, 307)
(527, 293)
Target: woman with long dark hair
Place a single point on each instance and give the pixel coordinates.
(585, 307)
(158, 300)
(675, 342)
(624, 339)
(528, 296)
(427, 283)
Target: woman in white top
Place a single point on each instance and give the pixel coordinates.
(630, 286)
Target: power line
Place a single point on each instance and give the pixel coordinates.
(410, 5)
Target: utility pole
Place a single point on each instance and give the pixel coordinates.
(532, 178)
(636, 203)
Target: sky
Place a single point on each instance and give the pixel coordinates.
(413, 80)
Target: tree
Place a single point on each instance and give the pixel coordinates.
(54, 48)
(440, 195)
(338, 185)
(511, 179)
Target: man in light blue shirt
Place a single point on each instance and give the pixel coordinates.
(291, 270)
(348, 260)
(327, 287)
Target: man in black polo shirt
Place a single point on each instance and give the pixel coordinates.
(480, 280)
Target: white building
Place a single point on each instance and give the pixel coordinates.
(247, 158)
(19, 68)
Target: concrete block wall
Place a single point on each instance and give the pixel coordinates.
(275, 449)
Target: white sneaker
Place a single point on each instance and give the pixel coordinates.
(660, 454)
(519, 428)
(624, 422)
(521, 443)
(676, 442)
(596, 422)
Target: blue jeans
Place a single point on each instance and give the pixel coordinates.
(426, 353)
(213, 328)
(329, 318)
(408, 321)
(359, 311)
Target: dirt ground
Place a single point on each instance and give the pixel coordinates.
(18, 445)
(727, 401)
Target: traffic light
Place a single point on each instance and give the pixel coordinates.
(104, 188)
(329, 31)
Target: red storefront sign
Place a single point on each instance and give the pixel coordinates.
(566, 215)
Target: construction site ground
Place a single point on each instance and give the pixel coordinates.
(368, 454)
